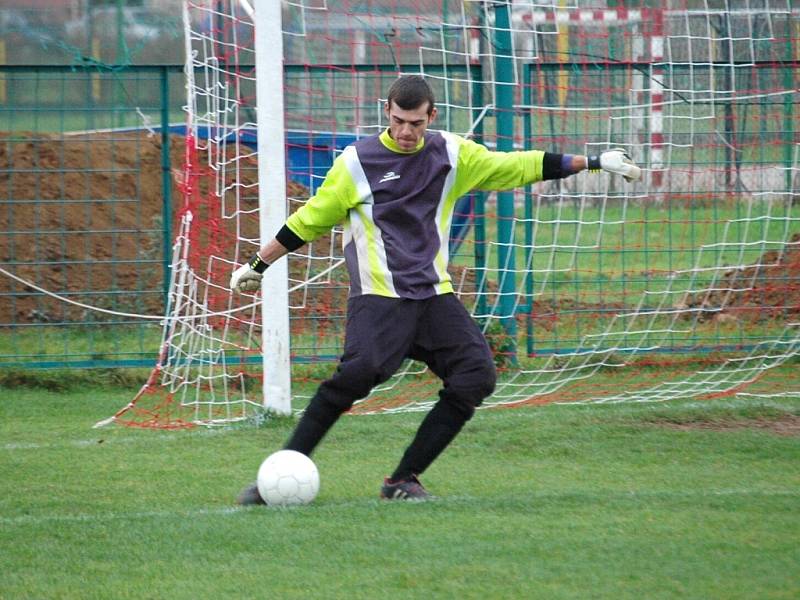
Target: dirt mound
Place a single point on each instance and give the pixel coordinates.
(767, 289)
(83, 218)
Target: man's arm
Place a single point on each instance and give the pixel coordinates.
(325, 209)
(617, 161)
(480, 168)
(247, 278)
(272, 251)
(558, 166)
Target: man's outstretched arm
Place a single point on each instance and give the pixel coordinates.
(325, 209)
(617, 161)
(482, 169)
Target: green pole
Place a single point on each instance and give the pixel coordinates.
(90, 53)
(121, 54)
(480, 197)
(528, 100)
(480, 202)
(122, 59)
(166, 184)
(788, 121)
(504, 94)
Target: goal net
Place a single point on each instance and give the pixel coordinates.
(685, 284)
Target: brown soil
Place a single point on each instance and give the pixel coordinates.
(785, 425)
(85, 212)
(78, 219)
(772, 289)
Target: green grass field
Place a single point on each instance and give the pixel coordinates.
(679, 500)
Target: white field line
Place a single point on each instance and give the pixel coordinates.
(372, 503)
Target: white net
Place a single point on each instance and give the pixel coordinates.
(685, 284)
(210, 336)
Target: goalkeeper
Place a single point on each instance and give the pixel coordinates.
(395, 193)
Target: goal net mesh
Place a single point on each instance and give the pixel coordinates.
(685, 284)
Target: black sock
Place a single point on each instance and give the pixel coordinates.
(317, 419)
(435, 433)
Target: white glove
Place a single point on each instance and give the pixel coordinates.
(617, 161)
(247, 278)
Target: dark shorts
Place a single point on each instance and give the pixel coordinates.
(382, 332)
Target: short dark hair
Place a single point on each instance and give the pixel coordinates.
(410, 92)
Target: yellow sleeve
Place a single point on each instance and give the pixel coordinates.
(479, 168)
(328, 206)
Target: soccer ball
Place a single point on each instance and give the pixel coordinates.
(288, 477)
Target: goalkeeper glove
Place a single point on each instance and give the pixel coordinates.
(247, 278)
(615, 161)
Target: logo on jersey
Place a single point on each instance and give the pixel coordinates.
(389, 176)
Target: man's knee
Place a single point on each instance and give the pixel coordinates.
(482, 379)
(467, 392)
(487, 380)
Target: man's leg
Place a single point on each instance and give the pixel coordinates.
(379, 333)
(453, 346)
(378, 336)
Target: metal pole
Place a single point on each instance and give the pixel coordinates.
(504, 94)
(122, 59)
(272, 204)
(788, 120)
(92, 82)
(166, 183)
(529, 333)
(480, 206)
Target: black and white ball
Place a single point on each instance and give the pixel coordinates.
(288, 477)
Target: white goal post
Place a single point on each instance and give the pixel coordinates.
(272, 203)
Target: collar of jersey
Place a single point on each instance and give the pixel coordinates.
(387, 141)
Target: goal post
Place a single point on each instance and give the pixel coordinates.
(276, 346)
(225, 356)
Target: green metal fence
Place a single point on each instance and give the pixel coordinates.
(85, 198)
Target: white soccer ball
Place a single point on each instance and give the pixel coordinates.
(288, 477)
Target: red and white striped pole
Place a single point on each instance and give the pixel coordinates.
(651, 27)
(657, 97)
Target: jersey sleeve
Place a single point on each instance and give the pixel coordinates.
(327, 207)
(479, 168)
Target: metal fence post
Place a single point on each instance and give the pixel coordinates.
(166, 182)
(504, 93)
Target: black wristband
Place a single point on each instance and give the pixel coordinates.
(289, 239)
(553, 166)
(258, 265)
(593, 162)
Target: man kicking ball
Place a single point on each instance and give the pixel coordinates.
(395, 193)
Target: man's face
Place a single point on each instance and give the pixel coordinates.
(408, 126)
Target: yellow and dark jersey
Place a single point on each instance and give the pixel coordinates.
(397, 207)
